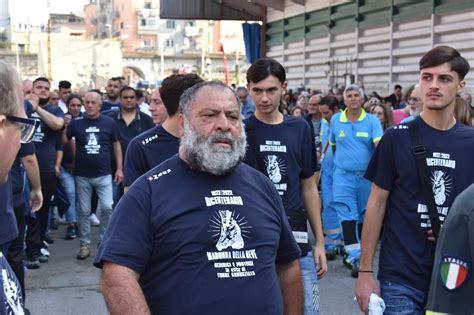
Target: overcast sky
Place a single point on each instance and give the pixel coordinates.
(74, 6)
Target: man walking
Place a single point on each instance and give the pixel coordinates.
(407, 246)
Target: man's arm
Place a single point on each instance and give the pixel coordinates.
(291, 287)
(366, 283)
(121, 290)
(30, 164)
(59, 159)
(118, 160)
(53, 122)
(313, 208)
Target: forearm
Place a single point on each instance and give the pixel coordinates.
(118, 155)
(121, 290)
(30, 164)
(53, 122)
(313, 207)
(59, 159)
(372, 225)
(291, 287)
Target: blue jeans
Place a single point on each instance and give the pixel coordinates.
(331, 225)
(310, 284)
(84, 187)
(66, 181)
(401, 299)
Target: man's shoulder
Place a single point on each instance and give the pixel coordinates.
(172, 165)
(152, 135)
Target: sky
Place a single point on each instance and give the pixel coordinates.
(68, 6)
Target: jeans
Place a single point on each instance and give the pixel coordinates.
(310, 284)
(117, 192)
(66, 181)
(84, 187)
(401, 299)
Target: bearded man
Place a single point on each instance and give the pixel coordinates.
(222, 245)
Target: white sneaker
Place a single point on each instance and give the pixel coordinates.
(94, 220)
(44, 252)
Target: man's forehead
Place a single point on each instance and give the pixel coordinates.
(442, 69)
(40, 83)
(203, 100)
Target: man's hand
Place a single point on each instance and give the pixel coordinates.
(34, 100)
(320, 261)
(36, 199)
(57, 170)
(431, 236)
(366, 285)
(67, 119)
(118, 176)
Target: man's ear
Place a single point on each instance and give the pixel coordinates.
(461, 86)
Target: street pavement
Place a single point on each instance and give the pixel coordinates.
(66, 285)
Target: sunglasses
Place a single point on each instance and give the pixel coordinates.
(27, 127)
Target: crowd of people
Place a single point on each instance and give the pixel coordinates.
(255, 166)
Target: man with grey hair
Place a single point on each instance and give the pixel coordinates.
(96, 140)
(225, 247)
(247, 106)
(14, 129)
(353, 137)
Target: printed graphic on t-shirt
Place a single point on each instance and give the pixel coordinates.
(92, 146)
(275, 166)
(230, 230)
(39, 134)
(441, 184)
(12, 302)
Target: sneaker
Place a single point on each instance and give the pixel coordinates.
(61, 220)
(43, 258)
(71, 232)
(48, 239)
(94, 220)
(331, 253)
(44, 252)
(83, 253)
(355, 268)
(347, 261)
(32, 264)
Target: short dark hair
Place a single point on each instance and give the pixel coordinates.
(73, 96)
(41, 79)
(331, 102)
(127, 88)
(173, 87)
(397, 86)
(114, 79)
(97, 91)
(442, 54)
(264, 67)
(64, 84)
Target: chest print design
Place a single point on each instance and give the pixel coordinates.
(273, 168)
(441, 184)
(231, 233)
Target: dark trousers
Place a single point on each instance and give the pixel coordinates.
(15, 252)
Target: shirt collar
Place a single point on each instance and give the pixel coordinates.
(343, 117)
(137, 114)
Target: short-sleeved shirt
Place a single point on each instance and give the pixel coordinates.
(285, 153)
(354, 141)
(17, 177)
(406, 255)
(146, 151)
(211, 252)
(139, 124)
(8, 227)
(46, 140)
(11, 300)
(109, 106)
(94, 145)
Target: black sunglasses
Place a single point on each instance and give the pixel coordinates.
(27, 127)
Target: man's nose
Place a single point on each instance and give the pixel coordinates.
(222, 122)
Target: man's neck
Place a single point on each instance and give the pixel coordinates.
(353, 114)
(316, 116)
(111, 100)
(439, 119)
(172, 125)
(273, 118)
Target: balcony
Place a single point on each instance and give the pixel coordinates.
(147, 26)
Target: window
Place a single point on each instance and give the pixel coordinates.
(169, 43)
(147, 5)
(142, 22)
(170, 24)
(147, 43)
(121, 25)
(192, 23)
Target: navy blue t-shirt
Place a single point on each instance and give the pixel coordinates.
(11, 299)
(285, 153)
(108, 106)
(94, 145)
(8, 227)
(45, 140)
(15, 172)
(211, 252)
(146, 151)
(406, 255)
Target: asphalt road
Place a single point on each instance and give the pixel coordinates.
(66, 285)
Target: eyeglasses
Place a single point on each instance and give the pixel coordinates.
(413, 99)
(27, 127)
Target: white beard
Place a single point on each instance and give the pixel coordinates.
(200, 154)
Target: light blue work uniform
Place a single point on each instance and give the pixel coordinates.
(331, 224)
(354, 142)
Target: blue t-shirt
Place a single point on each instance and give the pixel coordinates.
(285, 153)
(8, 227)
(406, 255)
(146, 151)
(45, 140)
(15, 172)
(108, 106)
(354, 141)
(211, 252)
(94, 145)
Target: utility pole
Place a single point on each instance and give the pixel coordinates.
(49, 50)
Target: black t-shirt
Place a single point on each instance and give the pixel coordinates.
(94, 145)
(8, 227)
(406, 255)
(210, 249)
(146, 151)
(15, 172)
(452, 282)
(11, 300)
(285, 153)
(46, 140)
